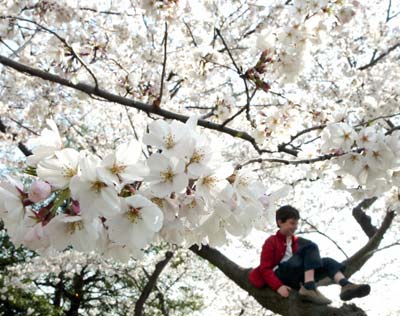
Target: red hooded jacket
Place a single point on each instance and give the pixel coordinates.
(272, 253)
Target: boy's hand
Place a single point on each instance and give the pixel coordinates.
(284, 290)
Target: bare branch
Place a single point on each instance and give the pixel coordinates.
(381, 56)
(325, 235)
(290, 162)
(229, 52)
(190, 32)
(107, 96)
(151, 283)
(21, 146)
(165, 40)
(363, 219)
(63, 40)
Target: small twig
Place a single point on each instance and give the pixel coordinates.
(305, 131)
(290, 162)
(325, 235)
(228, 50)
(133, 128)
(397, 243)
(396, 128)
(23, 126)
(165, 40)
(381, 56)
(105, 12)
(76, 55)
(190, 32)
(230, 119)
(388, 11)
(14, 52)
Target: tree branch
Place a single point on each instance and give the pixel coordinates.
(164, 64)
(21, 146)
(363, 219)
(107, 96)
(64, 41)
(381, 56)
(267, 297)
(151, 283)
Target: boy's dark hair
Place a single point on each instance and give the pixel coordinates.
(286, 212)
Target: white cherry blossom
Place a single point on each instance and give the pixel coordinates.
(59, 170)
(171, 138)
(69, 230)
(137, 223)
(123, 166)
(167, 175)
(213, 182)
(338, 136)
(96, 198)
(46, 144)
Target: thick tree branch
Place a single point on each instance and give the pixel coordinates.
(267, 297)
(363, 219)
(151, 283)
(107, 96)
(293, 306)
(357, 260)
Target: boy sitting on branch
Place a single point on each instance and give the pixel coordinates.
(289, 262)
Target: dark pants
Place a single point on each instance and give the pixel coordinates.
(291, 272)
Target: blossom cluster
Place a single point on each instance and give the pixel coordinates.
(119, 204)
(368, 161)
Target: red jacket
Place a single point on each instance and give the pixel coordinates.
(272, 253)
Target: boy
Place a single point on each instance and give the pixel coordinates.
(288, 261)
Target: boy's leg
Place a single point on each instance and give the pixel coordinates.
(333, 269)
(312, 261)
(300, 267)
(291, 272)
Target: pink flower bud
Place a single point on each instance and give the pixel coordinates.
(39, 191)
(75, 207)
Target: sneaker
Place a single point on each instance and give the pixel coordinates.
(350, 291)
(313, 296)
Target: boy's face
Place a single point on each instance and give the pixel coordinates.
(289, 227)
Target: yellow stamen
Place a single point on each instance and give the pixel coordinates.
(167, 176)
(117, 169)
(197, 157)
(97, 186)
(72, 227)
(169, 141)
(209, 181)
(157, 201)
(134, 214)
(69, 172)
